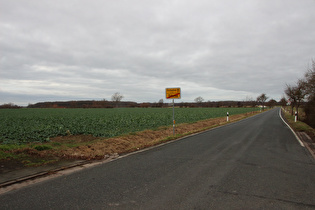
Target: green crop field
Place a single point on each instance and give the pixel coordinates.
(18, 126)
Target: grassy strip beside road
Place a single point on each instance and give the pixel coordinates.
(299, 126)
(91, 147)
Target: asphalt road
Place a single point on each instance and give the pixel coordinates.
(256, 163)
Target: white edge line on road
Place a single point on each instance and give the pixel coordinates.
(296, 136)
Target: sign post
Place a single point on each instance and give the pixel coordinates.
(173, 119)
(173, 93)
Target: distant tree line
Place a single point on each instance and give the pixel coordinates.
(117, 103)
(83, 104)
(9, 106)
(128, 104)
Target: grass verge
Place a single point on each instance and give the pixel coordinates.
(299, 126)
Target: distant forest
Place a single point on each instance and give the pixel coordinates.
(127, 104)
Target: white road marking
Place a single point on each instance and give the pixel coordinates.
(299, 140)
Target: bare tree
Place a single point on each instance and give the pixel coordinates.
(310, 91)
(199, 99)
(117, 97)
(310, 81)
(304, 90)
(289, 91)
(283, 101)
(160, 103)
(296, 95)
(262, 99)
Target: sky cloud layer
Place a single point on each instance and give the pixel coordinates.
(220, 50)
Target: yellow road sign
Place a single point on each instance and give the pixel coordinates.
(172, 93)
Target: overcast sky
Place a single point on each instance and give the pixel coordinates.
(217, 49)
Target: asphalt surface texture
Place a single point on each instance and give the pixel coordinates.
(256, 163)
(22, 173)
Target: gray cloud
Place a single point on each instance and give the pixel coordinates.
(220, 50)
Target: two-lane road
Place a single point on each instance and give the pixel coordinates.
(253, 164)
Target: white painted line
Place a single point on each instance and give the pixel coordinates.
(296, 136)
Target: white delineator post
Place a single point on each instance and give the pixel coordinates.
(227, 116)
(295, 117)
